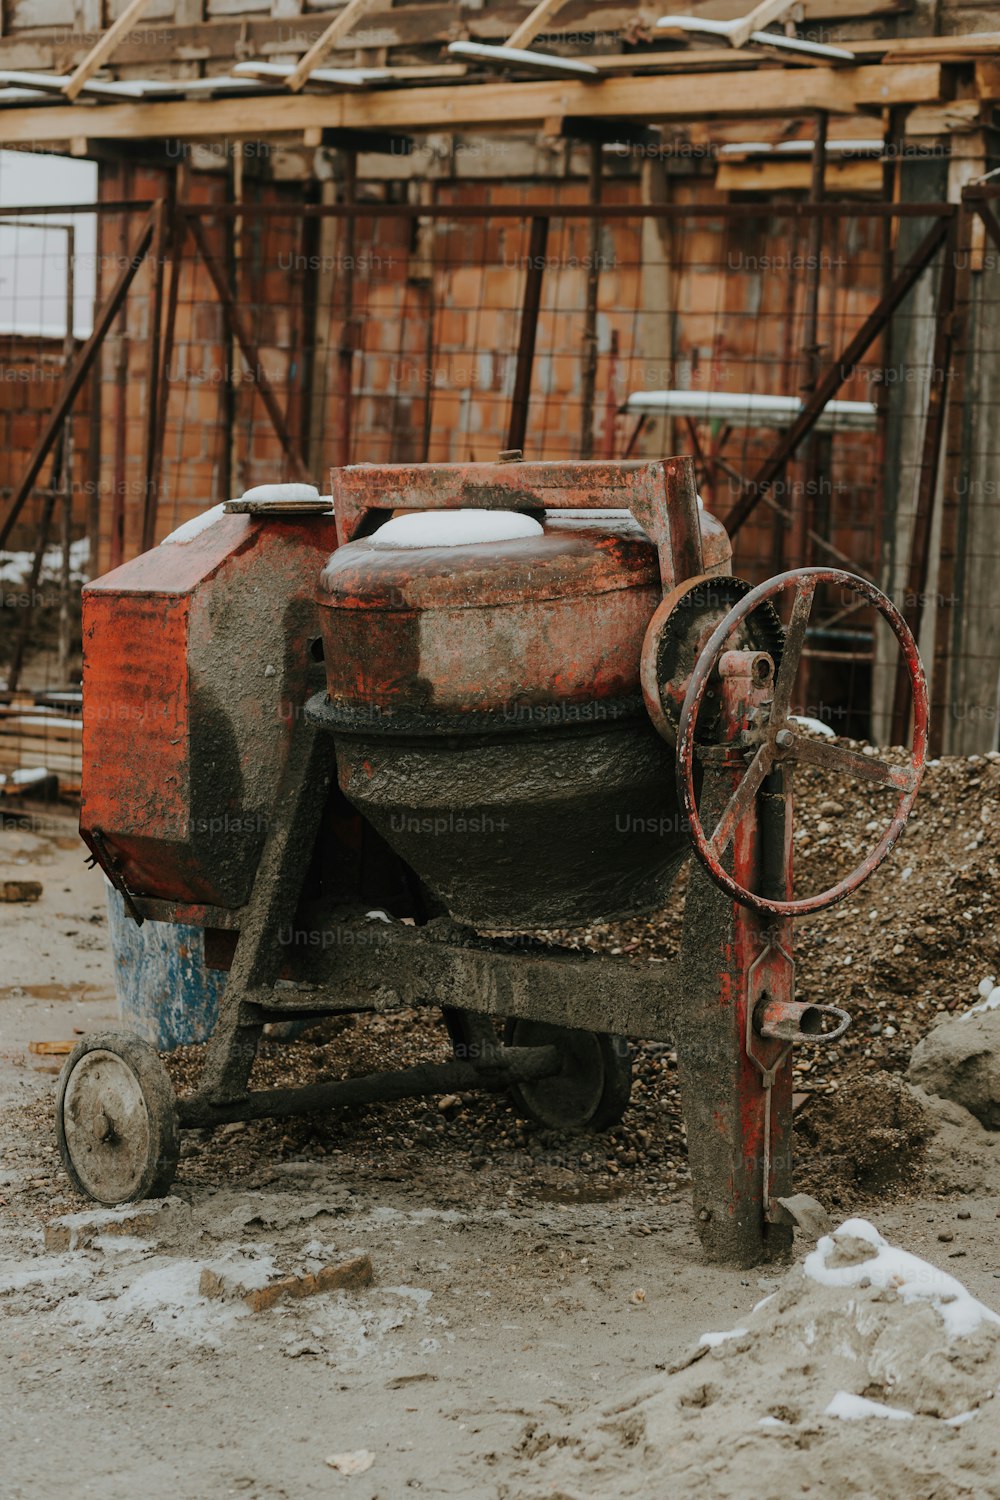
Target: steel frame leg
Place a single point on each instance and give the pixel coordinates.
(273, 901)
(723, 1067)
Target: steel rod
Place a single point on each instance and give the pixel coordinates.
(920, 543)
(520, 400)
(515, 1064)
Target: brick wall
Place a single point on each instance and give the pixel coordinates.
(31, 371)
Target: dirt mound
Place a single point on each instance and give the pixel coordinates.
(840, 1160)
(869, 1371)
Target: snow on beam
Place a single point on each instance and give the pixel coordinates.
(517, 57)
(748, 409)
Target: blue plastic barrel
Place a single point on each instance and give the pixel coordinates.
(165, 992)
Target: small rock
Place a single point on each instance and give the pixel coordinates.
(358, 1462)
(946, 1236)
(20, 890)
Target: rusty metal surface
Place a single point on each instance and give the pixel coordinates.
(514, 1064)
(736, 1088)
(556, 619)
(359, 964)
(776, 742)
(562, 811)
(676, 636)
(661, 495)
(191, 688)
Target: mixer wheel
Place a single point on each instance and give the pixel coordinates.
(593, 1087)
(116, 1120)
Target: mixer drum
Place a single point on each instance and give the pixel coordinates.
(483, 691)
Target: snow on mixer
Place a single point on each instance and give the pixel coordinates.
(478, 700)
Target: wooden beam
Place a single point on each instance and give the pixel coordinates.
(764, 91)
(770, 176)
(104, 47)
(988, 80)
(755, 20)
(524, 35)
(342, 23)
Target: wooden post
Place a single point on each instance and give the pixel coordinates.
(153, 373)
(341, 24)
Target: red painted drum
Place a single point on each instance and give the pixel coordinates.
(483, 692)
(546, 623)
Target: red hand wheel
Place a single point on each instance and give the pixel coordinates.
(781, 741)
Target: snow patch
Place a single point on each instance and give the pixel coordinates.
(197, 524)
(990, 991)
(815, 725)
(712, 1340)
(282, 492)
(46, 1271)
(455, 528)
(850, 1408)
(913, 1279)
(168, 1299)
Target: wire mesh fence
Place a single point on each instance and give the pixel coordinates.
(267, 340)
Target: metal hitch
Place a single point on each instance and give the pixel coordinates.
(794, 1021)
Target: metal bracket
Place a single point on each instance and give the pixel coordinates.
(101, 855)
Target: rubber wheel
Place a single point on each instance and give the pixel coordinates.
(592, 1090)
(116, 1120)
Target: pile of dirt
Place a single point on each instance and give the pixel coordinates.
(841, 1163)
(869, 1371)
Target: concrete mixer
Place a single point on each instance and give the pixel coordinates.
(379, 746)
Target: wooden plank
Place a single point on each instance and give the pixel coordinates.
(764, 91)
(524, 34)
(863, 176)
(104, 47)
(943, 119)
(988, 80)
(945, 49)
(216, 42)
(340, 26)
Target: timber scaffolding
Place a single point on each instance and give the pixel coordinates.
(542, 277)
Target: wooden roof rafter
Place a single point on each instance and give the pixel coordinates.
(763, 91)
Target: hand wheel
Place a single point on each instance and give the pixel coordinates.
(780, 741)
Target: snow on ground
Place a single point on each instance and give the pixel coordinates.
(15, 567)
(909, 1277)
(990, 992)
